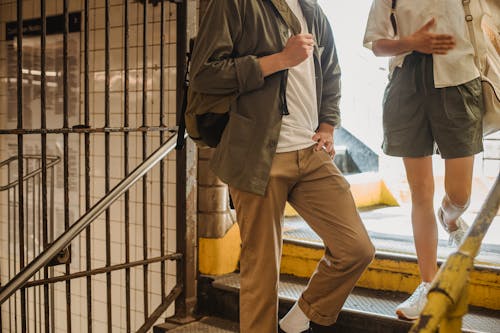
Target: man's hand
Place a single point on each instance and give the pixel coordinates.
(297, 49)
(324, 139)
(426, 42)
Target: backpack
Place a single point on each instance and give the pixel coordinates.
(205, 116)
(484, 34)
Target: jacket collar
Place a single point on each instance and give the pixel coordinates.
(308, 8)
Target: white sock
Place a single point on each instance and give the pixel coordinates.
(452, 211)
(295, 321)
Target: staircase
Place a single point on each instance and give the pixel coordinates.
(387, 282)
(370, 307)
(364, 311)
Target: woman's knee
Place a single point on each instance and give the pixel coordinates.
(422, 193)
(459, 198)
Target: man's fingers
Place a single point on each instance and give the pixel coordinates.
(329, 147)
(305, 38)
(320, 144)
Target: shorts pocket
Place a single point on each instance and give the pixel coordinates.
(471, 96)
(399, 100)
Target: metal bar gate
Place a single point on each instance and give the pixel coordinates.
(108, 274)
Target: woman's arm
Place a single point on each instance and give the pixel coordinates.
(422, 41)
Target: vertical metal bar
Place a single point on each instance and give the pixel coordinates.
(126, 166)
(186, 273)
(50, 236)
(43, 123)
(88, 234)
(26, 233)
(16, 216)
(107, 165)
(33, 230)
(66, 152)
(144, 156)
(162, 164)
(40, 236)
(20, 152)
(9, 241)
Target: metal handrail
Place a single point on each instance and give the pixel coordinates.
(83, 222)
(448, 297)
(53, 161)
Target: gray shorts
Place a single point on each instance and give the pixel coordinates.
(420, 120)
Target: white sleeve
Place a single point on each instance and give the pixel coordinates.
(379, 24)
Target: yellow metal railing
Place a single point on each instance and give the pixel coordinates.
(447, 301)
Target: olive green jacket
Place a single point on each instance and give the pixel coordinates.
(233, 35)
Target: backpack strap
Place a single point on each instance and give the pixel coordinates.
(287, 15)
(393, 17)
(181, 140)
(472, 35)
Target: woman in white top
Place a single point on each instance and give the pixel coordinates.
(433, 103)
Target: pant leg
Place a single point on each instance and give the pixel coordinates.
(323, 198)
(261, 219)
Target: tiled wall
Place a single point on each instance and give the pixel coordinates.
(31, 9)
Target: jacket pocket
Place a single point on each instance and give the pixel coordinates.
(240, 132)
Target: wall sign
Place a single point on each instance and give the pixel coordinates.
(55, 25)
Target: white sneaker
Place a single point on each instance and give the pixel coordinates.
(411, 308)
(457, 235)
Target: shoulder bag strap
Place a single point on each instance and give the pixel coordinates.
(393, 17)
(472, 35)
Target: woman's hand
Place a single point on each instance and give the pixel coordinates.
(427, 42)
(422, 41)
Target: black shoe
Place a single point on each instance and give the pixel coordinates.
(316, 328)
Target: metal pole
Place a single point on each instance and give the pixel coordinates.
(20, 152)
(88, 234)
(126, 166)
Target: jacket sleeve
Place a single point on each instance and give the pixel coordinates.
(329, 111)
(215, 68)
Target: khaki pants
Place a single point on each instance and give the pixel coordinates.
(312, 184)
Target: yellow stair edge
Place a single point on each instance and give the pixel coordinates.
(219, 256)
(388, 271)
(392, 272)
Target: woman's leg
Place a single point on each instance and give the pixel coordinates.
(421, 181)
(457, 183)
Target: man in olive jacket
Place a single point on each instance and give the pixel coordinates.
(279, 58)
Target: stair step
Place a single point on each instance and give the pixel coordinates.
(206, 325)
(390, 231)
(364, 311)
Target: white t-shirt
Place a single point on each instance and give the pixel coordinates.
(454, 68)
(298, 128)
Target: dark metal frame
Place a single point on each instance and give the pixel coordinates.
(36, 274)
